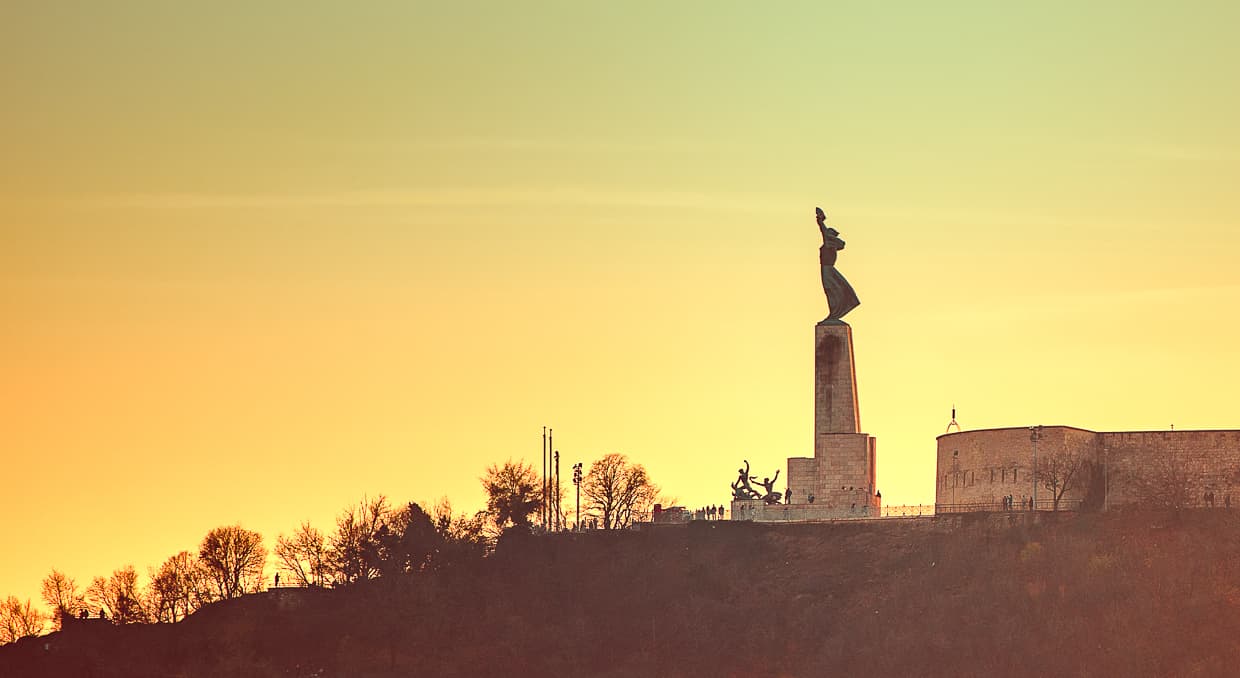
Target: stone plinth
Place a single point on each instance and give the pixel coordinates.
(846, 472)
(802, 479)
(835, 381)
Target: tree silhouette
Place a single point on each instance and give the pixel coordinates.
(1164, 479)
(62, 596)
(407, 541)
(304, 555)
(233, 559)
(463, 538)
(353, 552)
(119, 596)
(178, 588)
(18, 620)
(618, 491)
(512, 494)
(1060, 471)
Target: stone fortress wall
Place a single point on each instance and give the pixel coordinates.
(1209, 461)
(981, 467)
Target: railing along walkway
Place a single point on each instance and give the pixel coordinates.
(1002, 507)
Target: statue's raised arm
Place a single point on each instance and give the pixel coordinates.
(840, 295)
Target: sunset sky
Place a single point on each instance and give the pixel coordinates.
(260, 259)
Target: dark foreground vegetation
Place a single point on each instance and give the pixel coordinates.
(1134, 594)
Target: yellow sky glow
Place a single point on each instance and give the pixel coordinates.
(258, 262)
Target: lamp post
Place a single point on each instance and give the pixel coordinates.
(547, 513)
(542, 510)
(1035, 432)
(955, 475)
(577, 482)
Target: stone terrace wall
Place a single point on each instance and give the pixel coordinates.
(745, 509)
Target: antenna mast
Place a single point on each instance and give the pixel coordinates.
(953, 422)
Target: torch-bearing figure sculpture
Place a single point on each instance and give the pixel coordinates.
(840, 295)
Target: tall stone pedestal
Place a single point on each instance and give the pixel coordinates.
(840, 478)
(835, 381)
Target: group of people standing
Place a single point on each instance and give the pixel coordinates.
(1209, 499)
(709, 513)
(1009, 503)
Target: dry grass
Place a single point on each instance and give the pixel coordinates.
(971, 595)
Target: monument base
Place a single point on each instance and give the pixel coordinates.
(757, 511)
(839, 480)
(840, 474)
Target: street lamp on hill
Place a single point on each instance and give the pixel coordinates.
(577, 482)
(1035, 433)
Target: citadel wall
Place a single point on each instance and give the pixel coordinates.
(981, 467)
(1202, 461)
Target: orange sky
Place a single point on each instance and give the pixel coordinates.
(257, 263)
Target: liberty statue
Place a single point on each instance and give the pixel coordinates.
(840, 295)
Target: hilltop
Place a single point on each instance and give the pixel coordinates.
(1130, 594)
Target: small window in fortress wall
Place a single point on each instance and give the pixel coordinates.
(1013, 475)
(992, 475)
(1004, 479)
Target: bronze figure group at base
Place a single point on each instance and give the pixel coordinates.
(743, 488)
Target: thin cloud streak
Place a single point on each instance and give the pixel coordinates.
(1048, 305)
(572, 197)
(644, 145)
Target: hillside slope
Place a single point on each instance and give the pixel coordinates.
(974, 595)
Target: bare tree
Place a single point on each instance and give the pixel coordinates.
(62, 596)
(441, 515)
(18, 620)
(1164, 479)
(178, 588)
(303, 555)
(457, 527)
(1060, 471)
(513, 491)
(119, 595)
(233, 559)
(353, 552)
(463, 537)
(618, 491)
